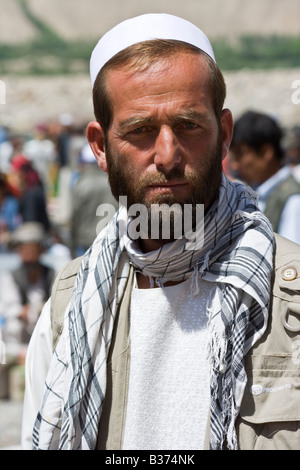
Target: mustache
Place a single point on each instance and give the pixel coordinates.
(175, 175)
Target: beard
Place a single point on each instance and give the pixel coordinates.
(204, 182)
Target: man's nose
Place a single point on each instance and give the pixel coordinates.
(167, 151)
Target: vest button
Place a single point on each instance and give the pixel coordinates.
(289, 274)
(256, 389)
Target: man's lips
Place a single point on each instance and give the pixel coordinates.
(167, 185)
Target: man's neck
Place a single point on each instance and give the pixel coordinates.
(148, 245)
(143, 282)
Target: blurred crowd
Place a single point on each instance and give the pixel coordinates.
(266, 157)
(50, 189)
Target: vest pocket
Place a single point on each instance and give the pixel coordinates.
(270, 411)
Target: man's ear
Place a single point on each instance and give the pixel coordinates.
(95, 136)
(227, 131)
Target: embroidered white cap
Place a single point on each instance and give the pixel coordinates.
(144, 28)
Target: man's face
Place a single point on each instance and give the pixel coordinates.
(198, 185)
(164, 144)
(30, 253)
(249, 165)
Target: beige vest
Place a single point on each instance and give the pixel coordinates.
(270, 413)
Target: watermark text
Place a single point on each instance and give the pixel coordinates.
(296, 93)
(160, 221)
(2, 92)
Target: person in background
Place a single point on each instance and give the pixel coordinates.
(258, 159)
(29, 188)
(89, 192)
(70, 141)
(66, 121)
(24, 291)
(9, 213)
(40, 150)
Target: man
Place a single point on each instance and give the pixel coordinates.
(29, 188)
(23, 292)
(258, 159)
(89, 192)
(151, 352)
(25, 289)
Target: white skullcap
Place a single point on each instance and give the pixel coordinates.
(144, 28)
(28, 232)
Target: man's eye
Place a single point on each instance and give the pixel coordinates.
(138, 130)
(190, 125)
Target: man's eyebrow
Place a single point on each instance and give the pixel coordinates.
(188, 115)
(133, 122)
(191, 115)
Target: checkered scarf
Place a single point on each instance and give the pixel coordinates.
(237, 256)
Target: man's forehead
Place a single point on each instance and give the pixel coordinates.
(175, 58)
(167, 79)
(143, 28)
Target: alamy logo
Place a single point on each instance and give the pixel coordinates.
(160, 221)
(296, 93)
(2, 92)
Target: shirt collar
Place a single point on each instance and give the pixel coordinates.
(267, 186)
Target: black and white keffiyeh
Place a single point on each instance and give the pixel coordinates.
(236, 255)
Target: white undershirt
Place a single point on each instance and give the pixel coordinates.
(168, 397)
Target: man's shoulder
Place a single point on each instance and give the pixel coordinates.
(286, 270)
(272, 365)
(285, 251)
(70, 270)
(66, 276)
(61, 295)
